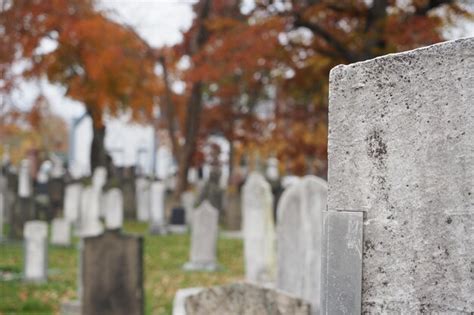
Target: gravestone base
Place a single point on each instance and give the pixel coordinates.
(177, 229)
(72, 307)
(158, 229)
(210, 266)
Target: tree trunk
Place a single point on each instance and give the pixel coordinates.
(98, 153)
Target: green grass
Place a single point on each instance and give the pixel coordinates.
(164, 256)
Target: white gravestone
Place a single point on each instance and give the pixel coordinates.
(259, 230)
(180, 299)
(24, 180)
(299, 239)
(188, 199)
(204, 232)
(35, 234)
(113, 207)
(142, 186)
(72, 202)
(90, 224)
(157, 208)
(61, 232)
(99, 177)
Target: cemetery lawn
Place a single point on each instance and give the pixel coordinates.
(164, 256)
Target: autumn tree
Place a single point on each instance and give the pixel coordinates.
(103, 64)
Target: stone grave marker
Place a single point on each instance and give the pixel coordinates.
(99, 177)
(72, 202)
(244, 299)
(142, 186)
(180, 298)
(113, 209)
(36, 251)
(258, 228)
(299, 239)
(60, 232)
(204, 234)
(90, 224)
(112, 275)
(188, 199)
(157, 208)
(401, 174)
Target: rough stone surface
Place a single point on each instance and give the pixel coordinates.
(61, 232)
(401, 149)
(112, 275)
(180, 298)
(113, 209)
(157, 208)
(36, 251)
(258, 228)
(342, 263)
(299, 239)
(244, 299)
(204, 234)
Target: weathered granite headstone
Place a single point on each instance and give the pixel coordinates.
(90, 224)
(401, 150)
(299, 239)
(188, 199)
(244, 299)
(36, 248)
(180, 298)
(60, 232)
(204, 232)
(259, 230)
(142, 186)
(72, 202)
(113, 209)
(157, 208)
(112, 275)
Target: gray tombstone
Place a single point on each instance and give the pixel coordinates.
(258, 228)
(299, 239)
(204, 232)
(188, 198)
(36, 251)
(72, 202)
(244, 299)
(90, 224)
(142, 186)
(157, 208)
(180, 299)
(60, 232)
(401, 151)
(113, 209)
(112, 275)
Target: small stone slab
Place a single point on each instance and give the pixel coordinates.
(112, 274)
(36, 251)
(342, 263)
(60, 232)
(244, 299)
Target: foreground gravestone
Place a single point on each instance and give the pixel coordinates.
(113, 209)
(72, 202)
(299, 239)
(36, 251)
(401, 151)
(90, 224)
(142, 186)
(244, 299)
(60, 232)
(258, 230)
(112, 275)
(157, 208)
(204, 232)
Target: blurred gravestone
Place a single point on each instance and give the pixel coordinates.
(204, 232)
(113, 204)
(90, 224)
(61, 232)
(258, 229)
(401, 152)
(72, 202)
(299, 239)
(24, 206)
(36, 251)
(99, 177)
(142, 193)
(188, 199)
(180, 298)
(244, 299)
(157, 208)
(112, 275)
